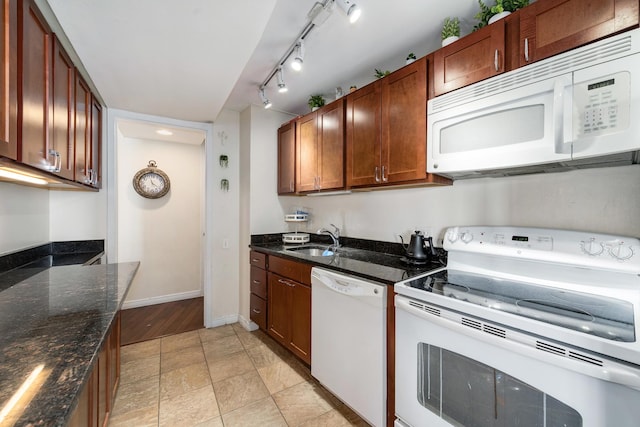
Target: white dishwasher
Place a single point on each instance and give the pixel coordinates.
(348, 341)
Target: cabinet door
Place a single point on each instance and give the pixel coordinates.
(35, 51)
(331, 146)
(307, 153)
(8, 77)
(258, 284)
(287, 158)
(300, 342)
(258, 311)
(82, 130)
(62, 111)
(278, 308)
(95, 162)
(404, 124)
(472, 58)
(554, 26)
(363, 136)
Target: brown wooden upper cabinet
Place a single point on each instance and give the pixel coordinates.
(95, 173)
(287, 158)
(8, 77)
(36, 51)
(387, 130)
(82, 131)
(62, 113)
(550, 27)
(475, 57)
(320, 149)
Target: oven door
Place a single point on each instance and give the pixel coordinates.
(448, 374)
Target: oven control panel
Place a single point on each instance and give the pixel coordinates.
(558, 246)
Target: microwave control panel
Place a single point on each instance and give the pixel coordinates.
(602, 105)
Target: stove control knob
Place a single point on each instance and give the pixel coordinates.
(591, 247)
(620, 251)
(466, 237)
(452, 235)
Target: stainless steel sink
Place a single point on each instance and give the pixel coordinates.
(312, 250)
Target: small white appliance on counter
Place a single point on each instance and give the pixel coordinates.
(348, 341)
(525, 326)
(574, 110)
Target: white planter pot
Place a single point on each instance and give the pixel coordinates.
(498, 16)
(449, 40)
(409, 61)
(314, 108)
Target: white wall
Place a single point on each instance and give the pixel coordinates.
(76, 215)
(24, 217)
(164, 234)
(260, 209)
(600, 200)
(225, 274)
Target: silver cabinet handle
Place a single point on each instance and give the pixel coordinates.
(495, 61)
(526, 49)
(57, 160)
(385, 178)
(257, 281)
(256, 311)
(377, 177)
(254, 260)
(286, 282)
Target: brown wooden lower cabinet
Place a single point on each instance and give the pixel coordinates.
(96, 399)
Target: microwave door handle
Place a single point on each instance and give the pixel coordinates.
(559, 116)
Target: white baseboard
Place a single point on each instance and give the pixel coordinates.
(249, 325)
(224, 320)
(161, 299)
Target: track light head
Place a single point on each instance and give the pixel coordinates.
(265, 102)
(298, 59)
(351, 9)
(282, 88)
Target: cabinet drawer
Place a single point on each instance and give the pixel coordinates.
(258, 308)
(258, 282)
(300, 272)
(258, 259)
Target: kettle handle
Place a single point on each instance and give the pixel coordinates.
(405, 246)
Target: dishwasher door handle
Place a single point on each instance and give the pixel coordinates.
(343, 285)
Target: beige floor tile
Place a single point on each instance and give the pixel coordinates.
(183, 380)
(139, 350)
(263, 355)
(212, 334)
(251, 339)
(136, 370)
(221, 347)
(142, 417)
(302, 403)
(281, 375)
(343, 417)
(139, 394)
(231, 366)
(236, 392)
(214, 422)
(189, 409)
(261, 413)
(180, 341)
(181, 358)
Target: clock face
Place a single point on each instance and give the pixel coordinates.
(151, 183)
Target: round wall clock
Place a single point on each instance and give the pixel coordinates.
(151, 182)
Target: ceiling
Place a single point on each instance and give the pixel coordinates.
(190, 59)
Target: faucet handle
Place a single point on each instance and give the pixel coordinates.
(337, 232)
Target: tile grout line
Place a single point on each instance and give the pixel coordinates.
(204, 353)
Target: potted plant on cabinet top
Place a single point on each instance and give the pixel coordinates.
(315, 102)
(450, 31)
(488, 15)
(380, 74)
(410, 58)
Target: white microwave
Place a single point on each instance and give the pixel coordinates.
(578, 109)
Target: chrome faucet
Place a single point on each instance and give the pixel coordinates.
(335, 235)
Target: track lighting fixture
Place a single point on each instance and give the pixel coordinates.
(263, 97)
(282, 88)
(351, 9)
(298, 59)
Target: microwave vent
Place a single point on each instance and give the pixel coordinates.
(592, 54)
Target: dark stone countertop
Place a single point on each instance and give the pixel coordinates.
(373, 263)
(56, 321)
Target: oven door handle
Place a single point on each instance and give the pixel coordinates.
(612, 371)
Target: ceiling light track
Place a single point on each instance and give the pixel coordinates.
(317, 15)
